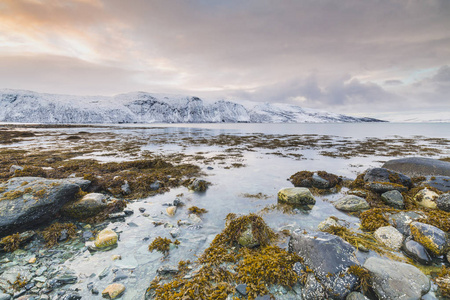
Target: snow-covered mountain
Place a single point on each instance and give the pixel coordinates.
(139, 107)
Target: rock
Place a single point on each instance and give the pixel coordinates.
(246, 239)
(171, 210)
(66, 279)
(119, 275)
(155, 185)
(177, 202)
(426, 198)
(443, 202)
(313, 289)
(15, 168)
(198, 185)
(419, 166)
(296, 196)
(382, 187)
(385, 175)
(329, 257)
(329, 222)
(401, 221)
(417, 252)
(356, 296)
(30, 201)
(394, 199)
(167, 269)
(175, 232)
(441, 183)
(116, 257)
(396, 280)
(114, 290)
(195, 219)
(242, 289)
(5, 296)
(351, 203)
(126, 188)
(32, 260)
(430, 237)
(88, 206)
(141, 209)
(106, 238)
(389, 236)
(24, 238)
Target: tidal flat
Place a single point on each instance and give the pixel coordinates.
(142, 170)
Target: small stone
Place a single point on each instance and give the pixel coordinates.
(119, 215)
(166, 270)
(242, 289)
(393, 198)
(40, 279)
(296, 196)
(246, 238)
(106, 238)
(195, 219)
(119, 275)
(171, 210)
(198, 185)
(112, 291)
(67, 279)
(155, 185)
(15, 168)
(175, 232)
(104, 273)
(128, 212)
(116, 257)
(32, 260)
(382, 187)
(178, 202)
(209, 168)
(329, 222)
(351, 203)
(389, 236)
(426, 198)
(141, 209)
(356, 296)
(126, 188)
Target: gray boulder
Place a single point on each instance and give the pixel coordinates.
(383, 187)
(88, 206)
(417, 252)
(443, 202)
(351, 203)
(385, 175)
(396, 280)
(389, 236)
(393, 198)
(419, 166)
(329, 257)
(401, 221)
(29, 201)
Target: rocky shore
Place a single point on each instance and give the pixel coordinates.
(399, 249)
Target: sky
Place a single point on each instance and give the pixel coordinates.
(376, 58)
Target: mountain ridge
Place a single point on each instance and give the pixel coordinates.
(21, 106)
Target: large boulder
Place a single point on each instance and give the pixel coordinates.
(443, 202)
(419, 166)
(351, 203)
(441, 183)
(396, 280)
(385, 175)
(28, 201)
(296, 196)
(329, 257)
(88, 206)
(430, 237)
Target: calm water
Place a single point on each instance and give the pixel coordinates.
(263, 173)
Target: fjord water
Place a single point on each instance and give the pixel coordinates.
(263, 173)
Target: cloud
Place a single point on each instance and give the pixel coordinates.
(393, 82)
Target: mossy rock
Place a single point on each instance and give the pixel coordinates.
(296, 196)
(106, 238)
(88, 206)
(351, 203)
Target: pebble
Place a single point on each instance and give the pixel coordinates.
(171, 210)
(112, 291)
(116, 257)
(106, 238)
(32, 260)
(242, 289)
(141, 209)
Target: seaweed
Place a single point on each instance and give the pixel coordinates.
(442, 279)
(373, 219)
(53, 233)
(11, 242)
(364, 277)
(196, 210)
(162, 245)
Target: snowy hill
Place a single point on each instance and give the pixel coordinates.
(139, 107)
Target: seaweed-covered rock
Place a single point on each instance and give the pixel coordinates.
(320, 179)
(329, 257)
(29, 201)
(351, 203)
(198, 185)
(417, 252)
(393, 198)
(296, 196)
(106, 238)
(389, 236)
(441, 183)
(385, 175)
(443, 202)
(396, 280)
(430, 237)
(88, 206)
(328, 223)
(383, 187)
(313, 289)
(426, 198)
(15, 168)
(419, 166)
